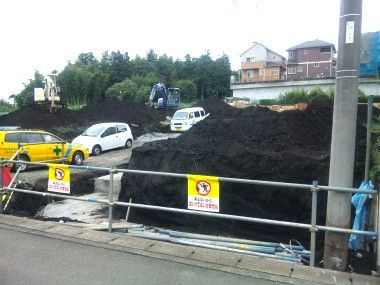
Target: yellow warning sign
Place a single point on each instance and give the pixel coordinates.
(59, 178)
(203, 193)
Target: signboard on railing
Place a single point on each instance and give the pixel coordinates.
(59, 178)
(203, 193)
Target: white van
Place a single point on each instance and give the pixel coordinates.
(184, 119)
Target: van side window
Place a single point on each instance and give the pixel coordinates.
(197, 114)
(191, 116)
(202, 113)
(121, 128)
(13, 137)
(50, 138)
(34, 138)
(108, 132)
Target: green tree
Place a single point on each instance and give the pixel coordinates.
(164, 67)
(141, 66)
(26, 96)
(188, 90)
(203, 75)
(86, 59)
(222, 74)
(6, 107)
(151, 56)
(127, 89)
(117, 65)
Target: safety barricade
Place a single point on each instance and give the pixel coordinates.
(204, 187)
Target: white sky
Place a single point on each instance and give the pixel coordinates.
(44, 35)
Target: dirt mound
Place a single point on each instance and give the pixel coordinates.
(253, 143)
(137, 114)
(218, 108)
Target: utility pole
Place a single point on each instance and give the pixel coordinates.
(343, 133)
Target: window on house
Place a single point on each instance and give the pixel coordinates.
(316, 64)
(250, 59)
(261, 72)
(250, 73)
(291, 70)
(291, 54)
(305, 51)
(300, 68)
(325, 49)
(274, 72)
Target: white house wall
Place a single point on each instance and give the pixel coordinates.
(258, 52)
(273, 57)
(272, 90)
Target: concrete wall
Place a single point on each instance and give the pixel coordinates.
(271, 90)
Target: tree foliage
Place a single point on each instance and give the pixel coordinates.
(116, 76)
(302, 96)
(26, 96)
(6, 107)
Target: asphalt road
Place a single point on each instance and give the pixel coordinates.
(27, 258)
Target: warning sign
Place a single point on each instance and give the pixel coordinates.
(203, 193)
(59, 178)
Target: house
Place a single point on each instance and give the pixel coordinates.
(259, 63)
(311, 59)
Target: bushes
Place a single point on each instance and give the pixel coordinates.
(302, 96)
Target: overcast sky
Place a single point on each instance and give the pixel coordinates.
(44, 35)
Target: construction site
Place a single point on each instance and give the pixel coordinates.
(254, 142)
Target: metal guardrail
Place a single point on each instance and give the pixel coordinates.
(313, 188)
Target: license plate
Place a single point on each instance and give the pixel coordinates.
(177, 129)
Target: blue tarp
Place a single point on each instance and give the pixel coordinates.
(370, 58)
(362, 206)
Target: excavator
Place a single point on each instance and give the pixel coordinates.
(49, 95)
(162, 97)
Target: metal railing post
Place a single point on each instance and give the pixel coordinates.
(1, 174)
(377, 222)
(110, 200)
(368, 140)
(313, 225)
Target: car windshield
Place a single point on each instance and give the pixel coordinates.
(180, 116)
(93, 131)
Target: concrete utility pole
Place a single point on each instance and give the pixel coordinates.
(343, 132)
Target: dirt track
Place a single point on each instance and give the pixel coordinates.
(112, 158)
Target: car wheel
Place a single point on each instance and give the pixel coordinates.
(128, 143)
(23, 167)
(96, 150)
(77, 158)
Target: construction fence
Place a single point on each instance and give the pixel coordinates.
(203, 199)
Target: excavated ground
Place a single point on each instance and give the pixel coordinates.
(253, 143)
(68, 123)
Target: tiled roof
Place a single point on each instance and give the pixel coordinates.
(312, 44)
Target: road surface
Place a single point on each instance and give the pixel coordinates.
(27, 258)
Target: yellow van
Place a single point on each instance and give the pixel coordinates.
(39, 146)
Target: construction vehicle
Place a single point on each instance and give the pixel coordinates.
(49, 95)
(162, 97)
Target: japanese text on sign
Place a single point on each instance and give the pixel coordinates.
(203, 193)
(59, 179)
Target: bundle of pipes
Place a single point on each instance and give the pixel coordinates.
(291, 253)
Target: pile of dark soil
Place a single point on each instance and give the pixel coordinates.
(253, 143)
(68, 123)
